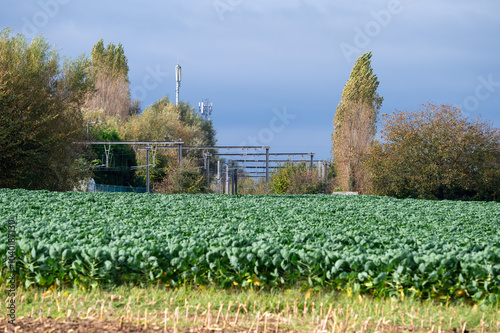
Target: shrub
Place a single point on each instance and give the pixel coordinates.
(185, 178)
(296, 179)
(158, 172)
(436, 153)
(253, 186)
(280, 181)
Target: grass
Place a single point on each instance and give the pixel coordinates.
(266, 311)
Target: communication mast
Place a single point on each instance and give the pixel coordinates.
(178, 83)
(205, 108)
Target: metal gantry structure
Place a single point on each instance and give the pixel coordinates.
(150, 146)
(249, 165)
(258, 157)
(207, 155)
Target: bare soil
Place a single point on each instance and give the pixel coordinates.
(77, 325)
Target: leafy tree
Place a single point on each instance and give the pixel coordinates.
(40, 117)
(206, 134)
(159, 122)
(110, 59)
(355, 124)
(164, 121)
(436, 153)
(112, 93)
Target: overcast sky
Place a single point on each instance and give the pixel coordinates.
(275, 69)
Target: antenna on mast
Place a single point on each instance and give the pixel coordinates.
(205, 108)
(178, 83)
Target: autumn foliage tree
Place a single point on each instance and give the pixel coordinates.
(110, 70)
(165, 121)
(40, 100)
(436, 153)
(354, 125)
(354, 139)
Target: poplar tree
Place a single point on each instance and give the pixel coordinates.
(354, 125)
(110, 59)
(110, 69)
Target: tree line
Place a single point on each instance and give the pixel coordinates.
(47, 103)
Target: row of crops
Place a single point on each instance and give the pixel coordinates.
(367, 244)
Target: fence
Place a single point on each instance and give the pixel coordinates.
(117, 188)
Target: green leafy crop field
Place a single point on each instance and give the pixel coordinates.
(375, 245)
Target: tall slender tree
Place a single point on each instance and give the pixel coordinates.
(354, 124)
(111, 59)
(112, 94)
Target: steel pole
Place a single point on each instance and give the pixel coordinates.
(325, 171)
(207, 158)
(227, 179)
(179, 153)
(218, 176)
(267, 165)
(236, 181)
(147, 170)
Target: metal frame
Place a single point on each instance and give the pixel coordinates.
(128, 142)
(149, 145)
(154, 145)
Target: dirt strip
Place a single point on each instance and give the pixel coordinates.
(77, 325)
